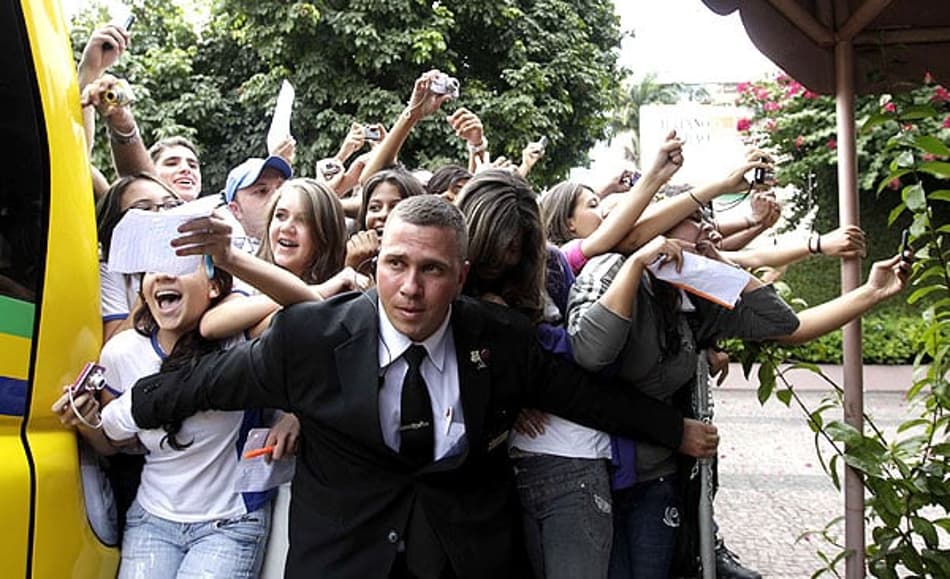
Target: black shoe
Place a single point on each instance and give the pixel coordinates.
(728, 566)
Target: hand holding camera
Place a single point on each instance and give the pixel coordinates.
(431, 90)
(79, 404)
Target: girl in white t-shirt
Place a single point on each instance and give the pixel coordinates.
(186, 519)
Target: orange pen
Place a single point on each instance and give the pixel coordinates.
(258, 452)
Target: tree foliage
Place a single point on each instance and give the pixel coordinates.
(906, 474)
(527, 68)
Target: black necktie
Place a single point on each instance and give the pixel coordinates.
(418, 440)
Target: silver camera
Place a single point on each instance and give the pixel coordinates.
(444, 84)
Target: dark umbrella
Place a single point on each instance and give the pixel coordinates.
(843, 47)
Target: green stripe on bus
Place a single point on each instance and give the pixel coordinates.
(16, 317)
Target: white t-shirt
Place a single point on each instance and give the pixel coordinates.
(564, 438)
(191, 485)
(118, 292)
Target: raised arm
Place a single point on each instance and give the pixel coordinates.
(603, 299)
(212, 236)
(422, 103)
(887, 278)
(618, 230)
(660, 217)
(110, 98)
(844, 242)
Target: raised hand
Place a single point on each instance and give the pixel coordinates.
(105, 47)
(846, 242)
(669, 158)
(423, 101)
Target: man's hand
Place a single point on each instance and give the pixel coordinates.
(765, 209)
(700, 440)
(286, 149)
(283, 436)
(531, 422)
(845, 242)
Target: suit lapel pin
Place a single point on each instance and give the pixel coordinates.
(480, 358)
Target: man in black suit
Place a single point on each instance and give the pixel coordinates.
(382, 488)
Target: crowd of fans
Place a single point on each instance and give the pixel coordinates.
(574, 259)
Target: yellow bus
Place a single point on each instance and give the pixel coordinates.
(49, 298)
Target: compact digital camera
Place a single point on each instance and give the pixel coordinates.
(91, 379)
(762, 176)
(445, 84)
(371, 133)
(329, 168)
(119, 95)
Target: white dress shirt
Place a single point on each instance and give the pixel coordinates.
(440, 371)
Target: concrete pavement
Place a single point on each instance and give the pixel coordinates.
(772, 487)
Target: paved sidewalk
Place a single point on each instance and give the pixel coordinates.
(876, 378)
(772, 487)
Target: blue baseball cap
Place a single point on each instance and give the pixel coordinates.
(245, 174)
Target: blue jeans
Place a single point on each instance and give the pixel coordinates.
(646, 520)
(565, 506)
(156, 548)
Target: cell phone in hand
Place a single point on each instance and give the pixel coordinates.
(905, 246)
(129, 20)
(543, 142)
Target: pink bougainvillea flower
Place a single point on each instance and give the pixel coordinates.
(809, 95)
(743, 125)
(941, 95)
(890, 107)
(895, 184)
(793, 89)
(762, 94)
(742, 87)
(770, 125)
(946, 123)
(799, 141)
(928, 157)
(771, 106)
(783, 78)
(832, 143)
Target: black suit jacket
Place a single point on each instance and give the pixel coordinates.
(355, 502)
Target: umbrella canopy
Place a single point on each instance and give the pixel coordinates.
(895, 42)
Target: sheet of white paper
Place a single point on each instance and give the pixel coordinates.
(711, 280)
(280, 124)
(141, 242)
(256, 474)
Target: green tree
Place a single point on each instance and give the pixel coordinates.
(527, 68)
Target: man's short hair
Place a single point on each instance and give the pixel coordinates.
(434, 211)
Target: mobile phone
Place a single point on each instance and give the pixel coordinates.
(543, 141)
(129, 20)
(905, 246)
(91, 379)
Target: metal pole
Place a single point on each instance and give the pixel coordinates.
(850, 279)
